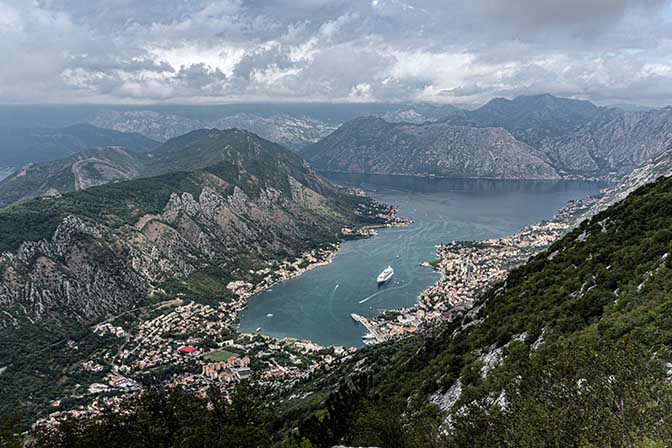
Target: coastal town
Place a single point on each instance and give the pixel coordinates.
(467, 268)
(197, 345)
(180, 342)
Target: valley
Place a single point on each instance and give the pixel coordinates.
(194, 345)
(172, 339)
(221, 259)
(335, 224)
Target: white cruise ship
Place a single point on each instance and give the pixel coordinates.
(384, 276)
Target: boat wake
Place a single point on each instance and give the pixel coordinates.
(380, 292)
(331, 303)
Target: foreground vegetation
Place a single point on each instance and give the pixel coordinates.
(584, 331)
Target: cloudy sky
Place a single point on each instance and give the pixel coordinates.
(185, 51)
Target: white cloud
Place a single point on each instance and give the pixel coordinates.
(221, 58)
(341, 50)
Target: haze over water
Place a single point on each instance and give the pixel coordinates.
(317, 305)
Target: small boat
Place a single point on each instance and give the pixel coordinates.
(258, 329)
(384, 276)
(269, 315)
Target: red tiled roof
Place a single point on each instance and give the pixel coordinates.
(187, 349)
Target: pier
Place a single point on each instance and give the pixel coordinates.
(373, 335)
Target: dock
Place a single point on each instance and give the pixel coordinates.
(373, 335)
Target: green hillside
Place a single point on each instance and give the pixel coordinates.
(572, 350)
(237, 158)
(76, 259)
(584, 333)
(231, 150)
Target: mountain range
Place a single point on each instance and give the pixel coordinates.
(294, 130)
(534, 137)
(114, 164)
(291, 131)
(372, 145)
(20, 145)
(210, 202)
(553, 137)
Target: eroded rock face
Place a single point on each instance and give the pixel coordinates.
(371, 145)
(80, 274)
(90, 270)
(613, 141)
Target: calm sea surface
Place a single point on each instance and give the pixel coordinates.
(317, 304)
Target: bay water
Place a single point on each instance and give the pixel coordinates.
(317, 305)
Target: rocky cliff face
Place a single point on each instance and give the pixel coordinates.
(79, 274)
(113, 244)
(661, 166)
(372, 145)
(577, 137)
(613, 141)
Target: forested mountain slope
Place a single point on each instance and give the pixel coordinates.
(573, 349)
(70, 261)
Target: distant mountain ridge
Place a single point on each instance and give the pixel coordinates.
(19, 146)
(529, 118)
(612, 141)
(574, 138)
(195, 150)
(293, 132)
(372, 145)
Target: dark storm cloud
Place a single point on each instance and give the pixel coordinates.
(345, 50)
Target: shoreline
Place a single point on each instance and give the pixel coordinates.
(435, 302)
(467, 268)
(606, 179)
(326, 253)
(157, 342)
